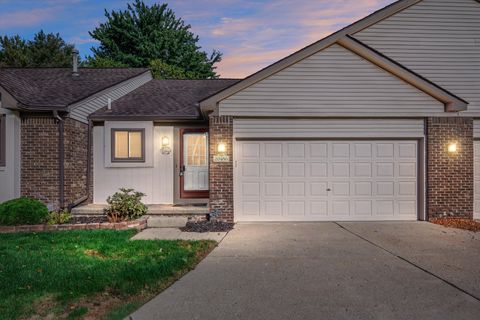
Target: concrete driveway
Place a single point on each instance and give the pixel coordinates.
(413, 270)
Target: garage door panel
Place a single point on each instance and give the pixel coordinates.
(318, 150)
(325, 180)
(476, 179)
(273, 169)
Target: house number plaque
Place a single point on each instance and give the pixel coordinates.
(221, 158)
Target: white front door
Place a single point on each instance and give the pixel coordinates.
(325, 180)
(194, 164)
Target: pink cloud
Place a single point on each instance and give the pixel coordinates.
(277, 29)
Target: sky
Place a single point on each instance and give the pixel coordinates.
(251, 34)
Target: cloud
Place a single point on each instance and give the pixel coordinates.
(253, 35)
(26, 18)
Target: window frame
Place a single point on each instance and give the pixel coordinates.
(129, 159)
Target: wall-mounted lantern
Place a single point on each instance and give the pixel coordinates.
(221, 155)
(452, 147)
(221, 148)
(166, 145)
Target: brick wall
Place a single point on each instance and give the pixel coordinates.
(76, 145)
(39, 160)
(221, 173)
(450, 175)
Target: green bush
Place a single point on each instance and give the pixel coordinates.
(58, 217)
(125, 205)
(22, 211)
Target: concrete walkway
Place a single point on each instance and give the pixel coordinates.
(176, 234)
(330, 271)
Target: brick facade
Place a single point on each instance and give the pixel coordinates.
(40, 160)
(221, 173)
(449, 175)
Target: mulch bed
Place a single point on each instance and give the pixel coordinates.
(466, 224)
(207, 226)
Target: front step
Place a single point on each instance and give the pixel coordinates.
(167, 221)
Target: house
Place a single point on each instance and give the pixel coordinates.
(377, 121)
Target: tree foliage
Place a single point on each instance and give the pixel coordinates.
(44, 50)
(146, 35)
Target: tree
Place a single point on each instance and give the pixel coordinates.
(44, 50)
(144, 35)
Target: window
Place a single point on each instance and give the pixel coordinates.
(3, 140)
(195, 149)
(128, 145)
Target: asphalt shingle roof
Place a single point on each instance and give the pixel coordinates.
(164, 99)
(56, 88)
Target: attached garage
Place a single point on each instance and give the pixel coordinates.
(318, 177)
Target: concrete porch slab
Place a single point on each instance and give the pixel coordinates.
(153, 209)
(176, 234)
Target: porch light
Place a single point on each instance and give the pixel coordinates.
(452, 147)
(166, 145)
(165, 141)
(221, 148)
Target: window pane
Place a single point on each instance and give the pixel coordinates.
(196, 149)
(121, 144)
(135, 144)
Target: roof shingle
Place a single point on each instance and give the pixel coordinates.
(164, 99)
(56, 88)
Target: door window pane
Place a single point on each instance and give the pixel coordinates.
(196, 149)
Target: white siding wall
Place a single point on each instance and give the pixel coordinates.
(332, 82)
(328, 128)
(476, 129)
(154, 179)
(439, 39)
(83, 109)
(10, 174)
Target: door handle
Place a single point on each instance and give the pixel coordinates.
(182, 170)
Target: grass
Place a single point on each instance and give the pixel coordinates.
(88, 273)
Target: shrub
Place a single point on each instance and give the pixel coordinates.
(125, 205)
(22, 211)
(58, 217)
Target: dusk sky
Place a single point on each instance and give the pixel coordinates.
(251, 34)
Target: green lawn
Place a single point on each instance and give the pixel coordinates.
(97, 273)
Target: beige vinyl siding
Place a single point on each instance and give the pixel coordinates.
(80, 111)
(332, 82)
(327, 128)
(439, 39)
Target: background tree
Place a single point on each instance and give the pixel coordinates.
(143, 35)
(44, 50)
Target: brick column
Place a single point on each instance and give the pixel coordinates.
(450, 175)
(221, 173)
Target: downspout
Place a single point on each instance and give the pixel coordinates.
(89, 164)
(61, 160)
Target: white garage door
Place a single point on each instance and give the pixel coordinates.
(476, 209)
(325, 180)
